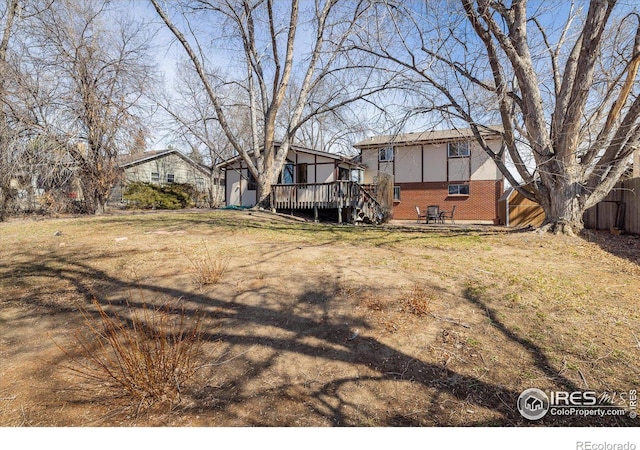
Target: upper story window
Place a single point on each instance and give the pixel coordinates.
(385, 154)
(458, 149)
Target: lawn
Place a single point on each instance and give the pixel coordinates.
(319, 325)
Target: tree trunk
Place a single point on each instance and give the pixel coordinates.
(95, 199)
(4, 202)
(564, 210)
(263, 194)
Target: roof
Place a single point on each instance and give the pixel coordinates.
(300, 149)
(423, 137)
(506, 194)
(125, 161)
(129, 160)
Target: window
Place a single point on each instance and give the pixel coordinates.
(301, 173)
(458, 189)
(171, 178)
(155, 176)
(343, 174)
(200, 183)
(287, 174)
(385, 154)
(252, 185)
(458, 149)
(396, 193)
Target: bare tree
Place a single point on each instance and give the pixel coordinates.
(566, 95)
(192, 122)
(267, 52)
(8, 13)
(101, 59)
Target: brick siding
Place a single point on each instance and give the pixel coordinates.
(480, 204)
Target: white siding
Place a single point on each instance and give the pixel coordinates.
(325, 173)
(370, 161)
(482, 166)
(459, 169)
(304, 158)
(408, 161)
(435, 163)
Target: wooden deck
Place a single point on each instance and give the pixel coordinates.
(337, 195)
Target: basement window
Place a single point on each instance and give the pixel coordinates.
(458, 189)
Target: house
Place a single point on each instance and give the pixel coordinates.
(515, 210)
(169, 166)
(441, 167)
(48, 182)
(311, 180)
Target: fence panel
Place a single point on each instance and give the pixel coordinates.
(631, 198)
(622, 202)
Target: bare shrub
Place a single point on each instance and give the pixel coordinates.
(207, 269)
(147, 354)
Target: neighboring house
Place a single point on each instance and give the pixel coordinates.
(168, 166)
(54, 186)
(310, 180)
(444, 167)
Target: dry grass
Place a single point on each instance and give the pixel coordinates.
(316, 325)
(145, 353)
(419, 300)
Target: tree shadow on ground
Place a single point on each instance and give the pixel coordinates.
(265, 336)
(626, 246)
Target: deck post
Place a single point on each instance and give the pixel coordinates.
(315, 212)
(339, 215)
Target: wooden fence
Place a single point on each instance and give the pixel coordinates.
(620, 209)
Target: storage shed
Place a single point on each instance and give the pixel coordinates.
(515, 210)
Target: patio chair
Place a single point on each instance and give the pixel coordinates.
(448, 215)
(433, 213)
(421, 215)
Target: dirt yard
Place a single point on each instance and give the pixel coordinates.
(321, 325)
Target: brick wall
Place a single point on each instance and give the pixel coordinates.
(480, 204)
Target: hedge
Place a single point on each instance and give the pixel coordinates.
(159, 196)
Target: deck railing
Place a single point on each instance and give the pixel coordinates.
(339, 194)
(334, 195)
